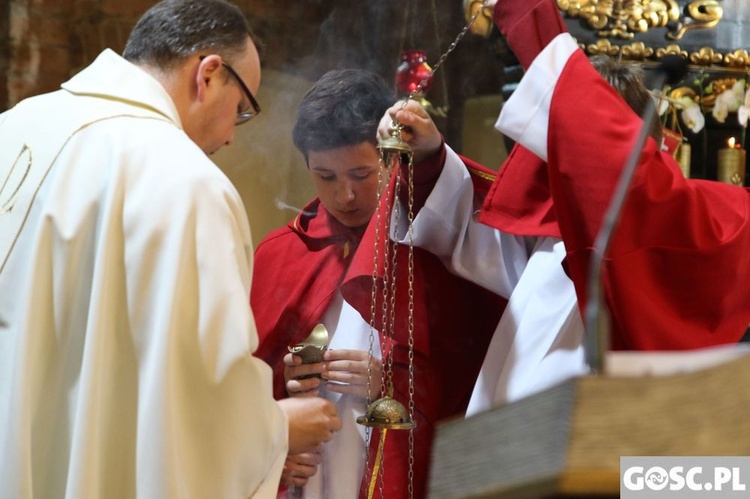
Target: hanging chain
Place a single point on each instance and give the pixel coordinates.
(394, 251)
(389, 277)
(381, 470)
(373, 308)
(385, 333)
(410, 217)
(442, 58)
(389, 312)
(440, 111)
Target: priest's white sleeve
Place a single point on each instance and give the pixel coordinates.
(447, 227)
(538, 341)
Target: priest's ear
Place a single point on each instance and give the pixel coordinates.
(208, 70)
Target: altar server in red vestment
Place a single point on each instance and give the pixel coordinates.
(319, 268)
(676, 273)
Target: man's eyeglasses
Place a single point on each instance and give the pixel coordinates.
(252, 111)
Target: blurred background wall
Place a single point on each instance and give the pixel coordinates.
(44, 42)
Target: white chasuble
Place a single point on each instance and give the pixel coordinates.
(126, 337)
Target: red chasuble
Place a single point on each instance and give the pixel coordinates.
(677, 272)
(519, 201)
(298, 270)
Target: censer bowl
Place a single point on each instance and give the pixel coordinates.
(394, 145)
(388, 413)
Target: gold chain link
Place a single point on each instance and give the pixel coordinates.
(389, 284)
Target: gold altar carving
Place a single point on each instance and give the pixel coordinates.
(671, 50)
(644, 32)
(703, 13)
(622, 19)
(703, 57)
(615, 22)
(639, 51)
(738, 59)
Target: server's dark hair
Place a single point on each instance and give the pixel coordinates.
(342, 108)
(627, 79)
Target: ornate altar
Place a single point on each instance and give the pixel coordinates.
(709, 107)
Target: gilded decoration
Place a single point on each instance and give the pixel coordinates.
(639, 51)
(615, 22)
(710, 106)
(738, 59)
(623, 19)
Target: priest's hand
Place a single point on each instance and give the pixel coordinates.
(302, 380)
(298, 468)
(419, 131)
(351, 372)
(528, 26)
(312, 421)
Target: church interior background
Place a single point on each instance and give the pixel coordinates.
(44, 42)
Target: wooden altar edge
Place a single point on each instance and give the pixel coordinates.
(567, 441)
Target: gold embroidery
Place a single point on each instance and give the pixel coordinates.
(481, 174)
(7, 203)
